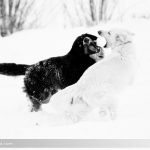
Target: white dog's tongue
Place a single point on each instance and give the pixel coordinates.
(101, 41)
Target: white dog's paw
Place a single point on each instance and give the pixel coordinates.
(103, 112)
(107, 112)
(72, 117)
(112, 112)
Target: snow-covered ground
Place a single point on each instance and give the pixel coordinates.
(133, 120)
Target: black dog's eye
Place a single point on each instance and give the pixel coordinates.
(86, 40)
(109, 33)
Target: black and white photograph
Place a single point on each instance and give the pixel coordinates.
(75, 69)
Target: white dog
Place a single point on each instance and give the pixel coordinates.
(100, 83)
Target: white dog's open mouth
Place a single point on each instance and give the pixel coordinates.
(106, 45)
(104, 39)
(101, 41)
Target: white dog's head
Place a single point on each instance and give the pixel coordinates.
(116, 37)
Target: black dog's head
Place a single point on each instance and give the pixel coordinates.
(86, 45)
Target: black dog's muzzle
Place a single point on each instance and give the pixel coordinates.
(92, 49)
(91, 46)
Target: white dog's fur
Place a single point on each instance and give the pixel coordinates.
(100, 84)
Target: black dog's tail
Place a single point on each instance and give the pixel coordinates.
(12, 69)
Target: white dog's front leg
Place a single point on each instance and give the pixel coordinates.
(108, 109)
(77, 110)
(112, 111)
(107, 112)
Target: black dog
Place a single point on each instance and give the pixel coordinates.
(45, 78)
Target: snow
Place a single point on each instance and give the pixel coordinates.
(33, 45)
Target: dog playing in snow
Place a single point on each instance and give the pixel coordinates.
(46, 77)
(100, 83)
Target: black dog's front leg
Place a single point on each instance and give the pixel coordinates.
(35, 105)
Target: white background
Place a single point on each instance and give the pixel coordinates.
(30, 46)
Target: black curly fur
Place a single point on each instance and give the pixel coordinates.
(45, 78)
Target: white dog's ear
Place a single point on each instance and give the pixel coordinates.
(120, 38)
(130, 33)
